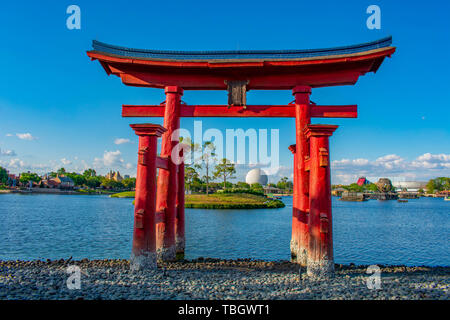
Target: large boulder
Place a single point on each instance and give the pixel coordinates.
(384, 185)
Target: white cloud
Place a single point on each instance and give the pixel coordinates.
(112, 160)
(424, 167)
(389, 157)
(390, 161)
(66, 162)
(344, 178)
(17, 165)
(122, 141)
(432, 161)
(355, 162)
(25, 136)
(7, 153)
(9, 135)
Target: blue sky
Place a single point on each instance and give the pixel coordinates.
(72, 110)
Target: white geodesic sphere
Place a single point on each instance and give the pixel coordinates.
(256, 176)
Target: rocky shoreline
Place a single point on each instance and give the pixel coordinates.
(214, 279)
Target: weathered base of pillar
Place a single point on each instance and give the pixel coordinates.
(320, 270)
(179, 248)
(298, 254)
(302, 257)
(294, 249)
(166, 254)
(144, 261)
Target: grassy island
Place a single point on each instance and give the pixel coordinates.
(222, 201)
(231, 201)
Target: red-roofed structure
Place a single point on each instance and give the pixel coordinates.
(362, 181)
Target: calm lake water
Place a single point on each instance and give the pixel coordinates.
(372, 232)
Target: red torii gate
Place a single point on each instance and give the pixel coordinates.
(159, 209)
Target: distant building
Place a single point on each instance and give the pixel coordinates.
(256, 176)
(338, 192)
(269, 189)
(444, 193)
(410, 186)
(114, 175)
(48, 183)
(127, 176)
(362, 181)
(353, 196)
(12, 180)
(58, 182)
(64, 182)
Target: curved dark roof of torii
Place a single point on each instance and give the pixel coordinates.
(108, 49)
(262, 69)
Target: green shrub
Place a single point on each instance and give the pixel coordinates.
(85, 191)
(93, 191)
(275, 204)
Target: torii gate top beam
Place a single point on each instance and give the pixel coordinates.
(262, 69)
(280, 111)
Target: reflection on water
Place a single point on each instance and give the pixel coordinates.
(372, 232)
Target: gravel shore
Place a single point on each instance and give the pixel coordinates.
(214, 279)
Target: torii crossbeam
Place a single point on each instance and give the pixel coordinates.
(262, 111)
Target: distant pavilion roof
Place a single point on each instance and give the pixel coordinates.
(238, 54)
(261, 69)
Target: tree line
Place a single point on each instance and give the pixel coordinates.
(438, 184)
(88, 178)
(354, 187)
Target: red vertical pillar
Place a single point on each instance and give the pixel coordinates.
(167, 181)
(179, 225)
(300, 213)
(143, 254)
(294, 237)
(320, 251)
